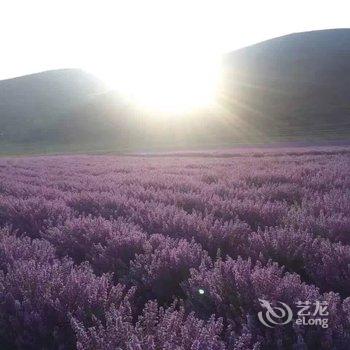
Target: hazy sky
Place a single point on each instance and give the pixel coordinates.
(113, 37)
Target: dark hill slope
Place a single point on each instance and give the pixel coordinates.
(298, 84)
(32, 105)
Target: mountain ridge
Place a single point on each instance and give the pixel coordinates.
(290, 87)
(297, 80)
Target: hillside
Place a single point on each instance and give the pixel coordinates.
(298, 84)
(295, 87)
(31, 106)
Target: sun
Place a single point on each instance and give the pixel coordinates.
(166, 82)
(162, 56)
(166, 60)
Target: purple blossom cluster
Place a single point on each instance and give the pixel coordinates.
(174, 251)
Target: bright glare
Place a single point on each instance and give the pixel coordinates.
(166, 82)
(162, 54)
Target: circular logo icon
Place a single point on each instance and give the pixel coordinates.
(274, 315)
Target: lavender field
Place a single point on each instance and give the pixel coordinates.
(174, 252)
